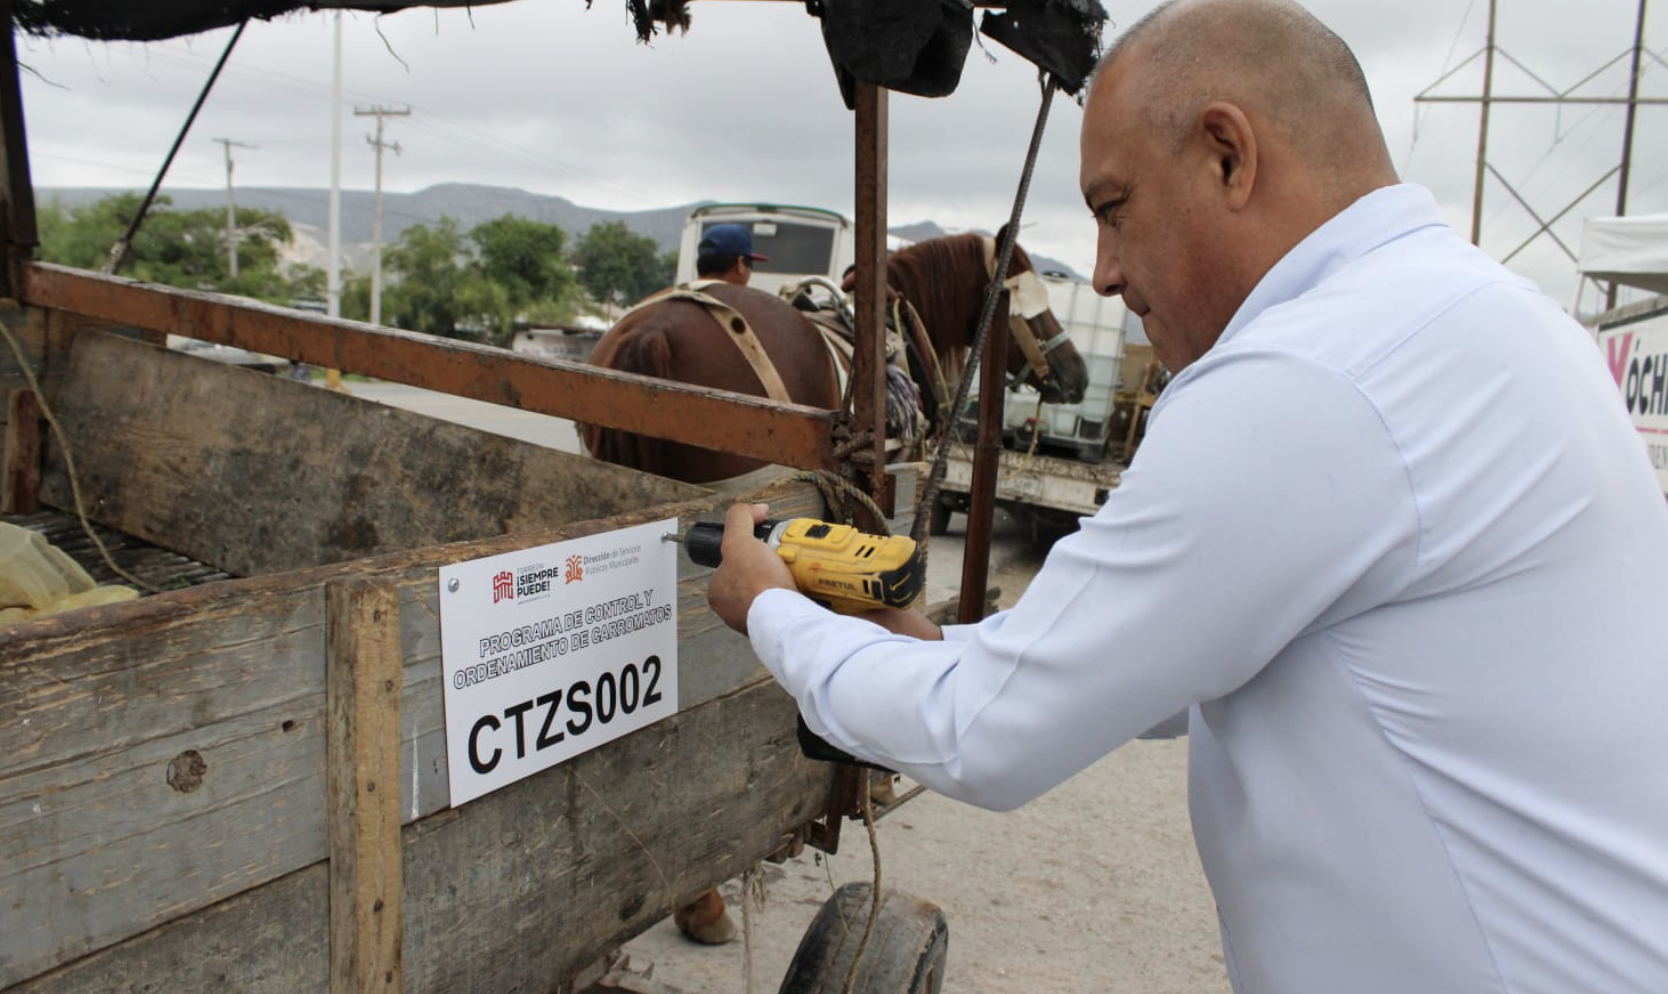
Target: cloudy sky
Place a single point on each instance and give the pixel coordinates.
(550, 97)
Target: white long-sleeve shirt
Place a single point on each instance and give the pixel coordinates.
(1396, 542)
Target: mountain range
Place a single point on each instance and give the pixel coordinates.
(308, 211)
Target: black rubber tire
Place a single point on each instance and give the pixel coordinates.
(905, 955)
(939, 523)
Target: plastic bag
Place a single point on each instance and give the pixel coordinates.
(38, 578)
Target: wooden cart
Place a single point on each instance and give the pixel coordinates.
(241, 784)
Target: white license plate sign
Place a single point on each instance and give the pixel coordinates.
(553, 651)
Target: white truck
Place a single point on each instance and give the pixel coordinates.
(798, 241)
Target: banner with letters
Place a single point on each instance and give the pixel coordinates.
(1637, 354)
(553, 651)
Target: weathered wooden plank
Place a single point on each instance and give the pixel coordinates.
(45, 337)
(136, 731)
(362, 735)
(20, 455)
(26, 329)
(523, 888)
(257, 474)
(729, 422)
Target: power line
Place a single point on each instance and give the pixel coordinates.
(1551, 97)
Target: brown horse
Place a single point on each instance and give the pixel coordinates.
(943, 278)
(681, 340)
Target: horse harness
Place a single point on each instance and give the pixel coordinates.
(737, 330)
(1027, 297)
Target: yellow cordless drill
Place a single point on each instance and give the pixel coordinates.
(836, 565)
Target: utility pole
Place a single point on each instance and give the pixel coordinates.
(231, 206)
(380, 113)
(1556, 97)
(333, 284)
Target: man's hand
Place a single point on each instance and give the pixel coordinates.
(750, 567)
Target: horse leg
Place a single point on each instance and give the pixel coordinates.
(704, 920)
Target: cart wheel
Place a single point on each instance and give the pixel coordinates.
(905, 954)
(940, 521)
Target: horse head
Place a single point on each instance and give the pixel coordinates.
(945, 278)
(1040, 352)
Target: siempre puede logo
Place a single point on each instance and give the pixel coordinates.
(576, 569)
(503, 586)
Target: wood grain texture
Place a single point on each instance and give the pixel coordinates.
(523, 888)
(20, 454)
(258, 474)
(714, 419)
(362, 736)
(169, 753)
(163, 784)
(45, 337)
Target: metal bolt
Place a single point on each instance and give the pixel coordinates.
(452, 584)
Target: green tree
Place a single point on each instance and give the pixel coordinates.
(177, 248)
(425, 272)
(528, 258)
(440, 282)
(618, 266)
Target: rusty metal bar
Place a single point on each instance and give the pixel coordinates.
(987, 454)
(869, 365)
(18, 236)
(716, 419)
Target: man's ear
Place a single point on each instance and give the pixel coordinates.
(1232, 146)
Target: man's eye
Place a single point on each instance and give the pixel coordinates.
(1108, 213)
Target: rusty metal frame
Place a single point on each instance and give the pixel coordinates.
(753, 426)
(869, 362)
(18, 236)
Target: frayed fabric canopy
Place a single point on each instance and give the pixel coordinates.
(915, 46)
(154, 20)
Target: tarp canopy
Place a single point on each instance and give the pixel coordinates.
(914, 46)
(1632, 251)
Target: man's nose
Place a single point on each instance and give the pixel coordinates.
(1109, 275)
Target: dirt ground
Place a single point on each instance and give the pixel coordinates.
(1094, 887)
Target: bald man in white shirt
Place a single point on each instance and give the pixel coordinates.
(1390, 537)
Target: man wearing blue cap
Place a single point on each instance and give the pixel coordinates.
(726, 253)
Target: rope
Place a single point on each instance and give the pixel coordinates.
(752, 890)
(929, 493)
(874, 888)
(69, 461)
(832, 486)
(118, 251)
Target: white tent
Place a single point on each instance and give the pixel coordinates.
(1632, 251)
